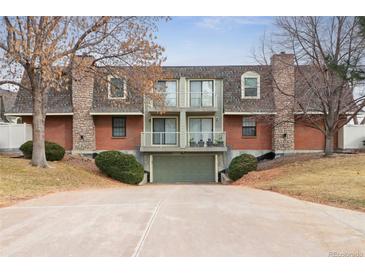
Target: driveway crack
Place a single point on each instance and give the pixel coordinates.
(139, 246)
(150, 222)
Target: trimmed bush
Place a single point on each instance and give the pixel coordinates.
(54, 152)
(241, 165)
(120, 166)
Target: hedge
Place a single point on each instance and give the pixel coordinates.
(241, 165)
(120, 166)
(54, 152)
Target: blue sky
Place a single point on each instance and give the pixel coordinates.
(212, 40)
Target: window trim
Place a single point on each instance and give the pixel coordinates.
(243, 127)
(110, 77)
(187, 98)
(125, 126)
(250, 74)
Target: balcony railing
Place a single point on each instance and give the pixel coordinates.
(206, 139)
(151, 139)
(184, 100)
(194, 140)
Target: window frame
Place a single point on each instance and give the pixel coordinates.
(250, 74)
(110, 77)
(177, 130)
(125, 126)
(201, 92)
(176, 92)
(251, 119)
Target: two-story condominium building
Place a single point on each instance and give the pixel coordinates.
(210, 115)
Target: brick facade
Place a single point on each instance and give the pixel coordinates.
(283, 90)
(58, 129)
(309, 138)
(82, 100)
(105, 140)
(235, 140)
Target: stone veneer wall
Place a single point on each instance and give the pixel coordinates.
(283, 82)
(83, 128)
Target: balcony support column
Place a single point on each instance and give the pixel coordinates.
(182, 93)
(183, 129)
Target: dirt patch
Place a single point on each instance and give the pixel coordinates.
(288, 159)
(83, 162)
(259, 176)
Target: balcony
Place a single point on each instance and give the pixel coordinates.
(192, 142)
(190, 101)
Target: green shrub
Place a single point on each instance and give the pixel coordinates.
(120, 166)
(241, 165)
(27, 149)
(54, 152)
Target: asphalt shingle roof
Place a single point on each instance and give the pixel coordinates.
(61, 101)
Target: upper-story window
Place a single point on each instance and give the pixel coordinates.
(117, 88)
(201, 93)
(250, 85)
(169, 88)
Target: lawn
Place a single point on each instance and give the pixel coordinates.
(337, 181)
(19, 180)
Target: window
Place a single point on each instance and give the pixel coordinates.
(248, 127)
(119, 126)
(164, 131)
(116, 88)
(250, 85)
(170, 90)
(201, 93)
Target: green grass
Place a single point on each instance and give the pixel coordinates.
(19, 180)
(338, 180)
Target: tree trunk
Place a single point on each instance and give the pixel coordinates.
(39, 118)
(329, 144)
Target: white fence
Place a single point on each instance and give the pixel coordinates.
(12, 136)
(351, 137)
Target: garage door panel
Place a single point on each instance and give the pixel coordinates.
(183, 168)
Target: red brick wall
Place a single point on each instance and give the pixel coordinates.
(58, 129)
(103, 131)
(233, 129)
(308, 138)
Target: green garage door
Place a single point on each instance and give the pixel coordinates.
(183, 168)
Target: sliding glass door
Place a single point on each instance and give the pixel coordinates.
(164, 131)
(169, 90)
(201, 93)
(200, 129)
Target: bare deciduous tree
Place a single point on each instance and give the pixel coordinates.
(45, 49)
(329, 54)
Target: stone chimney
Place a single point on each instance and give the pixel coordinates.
(83, 128)
(283, 86)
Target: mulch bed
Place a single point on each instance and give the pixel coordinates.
(83, 162)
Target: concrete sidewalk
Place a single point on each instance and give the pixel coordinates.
(178, 220)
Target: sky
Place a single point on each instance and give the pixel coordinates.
(212, 40)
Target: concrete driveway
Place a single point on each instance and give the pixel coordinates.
(178, 220)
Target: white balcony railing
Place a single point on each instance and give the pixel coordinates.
(184, 99)
(194, 139)
(206, 139)
(150, 139)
